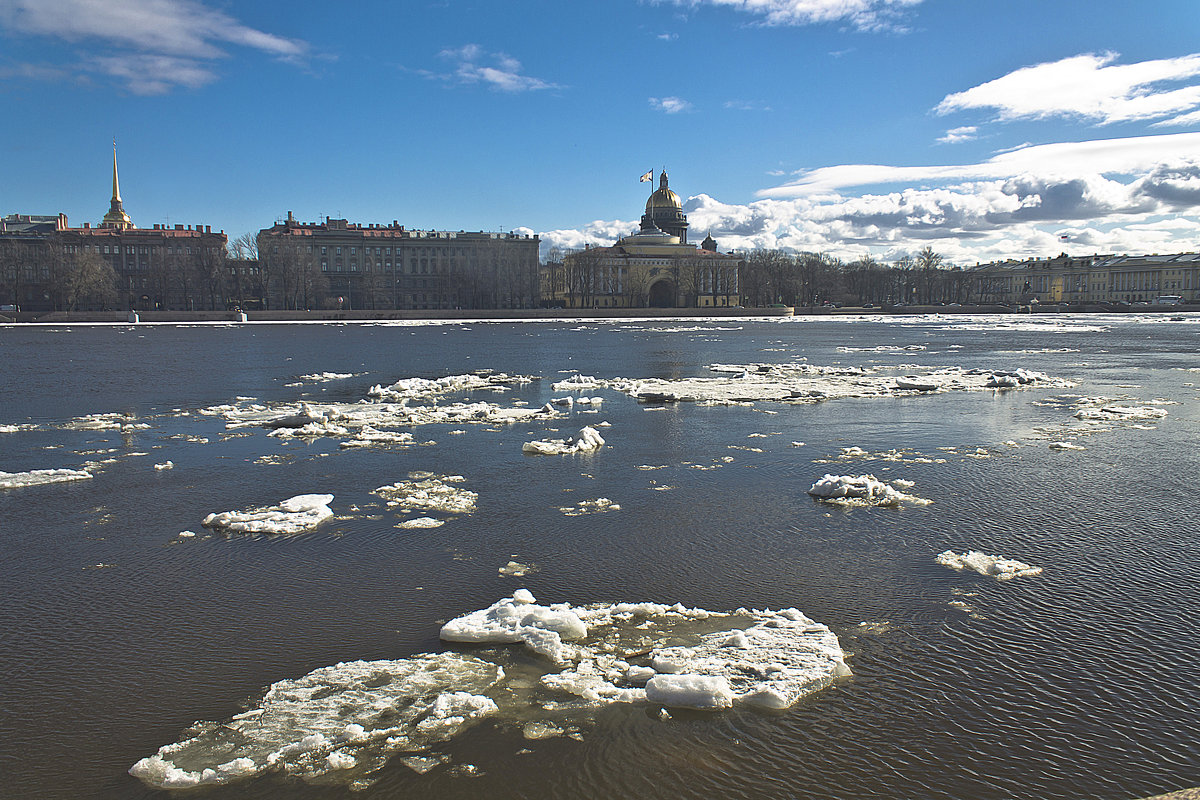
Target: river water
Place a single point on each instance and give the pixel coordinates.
(1080, 682)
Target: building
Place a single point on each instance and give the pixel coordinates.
(654, 267)
(341, 264)
(1095, 279)
(46, 265)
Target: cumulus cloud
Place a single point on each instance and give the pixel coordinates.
(966, 133)
(1089, 87)
(670, 105)
(1115, 196)
(863, 15)
(179, 40)
(499, 71)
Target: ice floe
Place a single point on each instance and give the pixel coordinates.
(343, 722)
(861, 490)
(1116, 413)
(300, 513)
(14, 480)
(597, 506)
(997, 566)
(1066, 446)
(586, 441)
(808, 383)
(425, 491)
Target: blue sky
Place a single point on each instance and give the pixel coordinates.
(983, 128)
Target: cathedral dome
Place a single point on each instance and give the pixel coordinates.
(663, 199)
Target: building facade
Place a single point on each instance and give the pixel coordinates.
(654, 267)
(1098, 279)
(46, 265)
(341, 264)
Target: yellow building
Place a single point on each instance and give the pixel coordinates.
(654, 267)
(1096, 279)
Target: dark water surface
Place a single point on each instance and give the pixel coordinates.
(1083, 682)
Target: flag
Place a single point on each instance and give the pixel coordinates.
(1063, 237)
(649, 176)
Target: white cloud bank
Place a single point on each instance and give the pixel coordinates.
(152, 46)
(1090, 87)
(1133, 195)
(670, 105)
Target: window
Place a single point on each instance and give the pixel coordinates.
(339, 251)
(323, 249)
(324, 265)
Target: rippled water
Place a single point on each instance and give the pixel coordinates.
(116, 635)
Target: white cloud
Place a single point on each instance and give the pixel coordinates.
(1117, 196)
(1087, 86)
(746, 105)
(966, 133)
(179, 38)
(670, 105)
(495, 70)
(864, 15)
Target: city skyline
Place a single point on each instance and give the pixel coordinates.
(853, 127)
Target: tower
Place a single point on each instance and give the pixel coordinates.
(116, 216)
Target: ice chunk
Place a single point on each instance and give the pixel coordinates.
(690, 691)
(14, 480)
(861, 490)
(1001, 568)
(1066, 446)
(1115, 413)
(519, 619)
(587, 440)
(299, 513)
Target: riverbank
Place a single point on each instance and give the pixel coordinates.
(124, 317)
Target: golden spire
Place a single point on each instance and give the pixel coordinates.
(116, 216)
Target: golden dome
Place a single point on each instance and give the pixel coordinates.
(663, 198)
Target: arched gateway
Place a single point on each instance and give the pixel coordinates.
(662, 294)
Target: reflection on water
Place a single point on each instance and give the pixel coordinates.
(1078, 682)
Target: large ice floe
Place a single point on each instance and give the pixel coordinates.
(341, 723)
(862, 490)
(997, 566)
(372, 420)
(34, 477)
(808, 383)
(300, 513)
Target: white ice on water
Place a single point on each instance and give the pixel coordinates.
(35, 477)
(300, 513)
(1117, 413)
(425, 491)
(343, 722)
(1001, 568)
(862, 490)
(586, 441)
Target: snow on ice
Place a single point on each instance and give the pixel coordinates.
(345, 721)
(300, 513)
(424, 491)
(862, 490)
(1001, 568)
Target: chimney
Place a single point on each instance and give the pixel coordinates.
(87, 224)
(290, 217)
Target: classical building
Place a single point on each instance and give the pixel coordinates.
(1088, 279)
(341, 264)
(653, 267)
(42, 260)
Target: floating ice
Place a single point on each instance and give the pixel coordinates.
(299, 513)
(1114, 413)
(343, 722)
(322, 377)
(347, 718)
(597, 506)
(587, 440)
(14, 480)
(422, 522)
(425, 491)
(165, 465)
(425, 388)
(1066, 446)
(1002, 568)
(368, 437)
(861, 490)
(808, 383)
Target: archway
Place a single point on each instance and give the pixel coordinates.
(662, 294)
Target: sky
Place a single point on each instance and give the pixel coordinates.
(985, 129)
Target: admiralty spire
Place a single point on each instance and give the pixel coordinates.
(116, 216)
